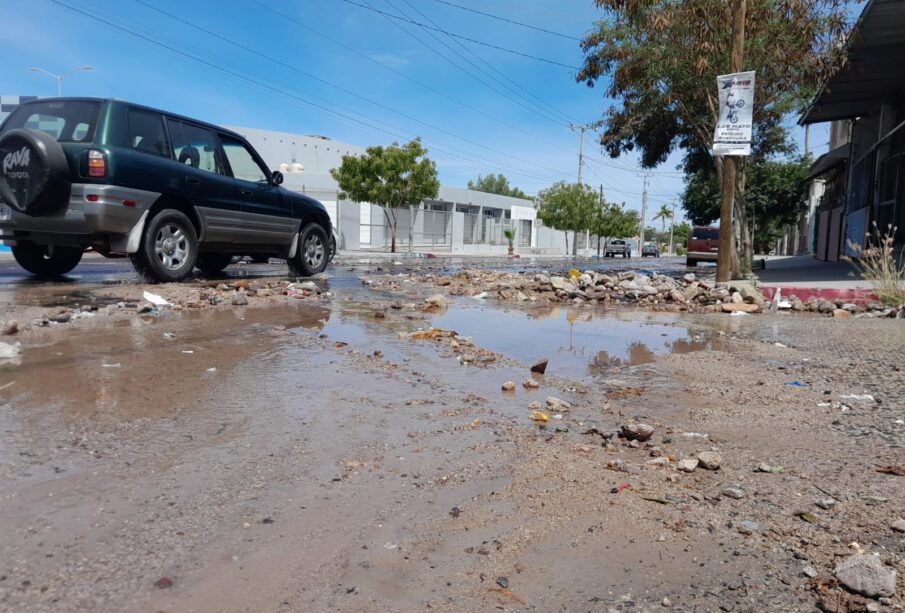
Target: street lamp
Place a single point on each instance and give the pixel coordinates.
(60, 78)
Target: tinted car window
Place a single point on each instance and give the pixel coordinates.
(241, 161)
(146, 132)
(706, 234)
(195, 146)
(65, 120)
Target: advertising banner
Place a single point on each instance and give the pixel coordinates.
(733, 128)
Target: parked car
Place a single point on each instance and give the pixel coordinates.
(650, 250)
(703, 245)
(617, 247)
(171, 193)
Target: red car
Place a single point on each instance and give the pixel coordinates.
(703, 245)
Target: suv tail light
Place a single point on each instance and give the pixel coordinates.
(97, 163)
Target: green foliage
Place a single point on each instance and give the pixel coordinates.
(391, 177)
(879, 265)
(664, 214)
(613, 221)
(568, 207)
(510, 235)
(775, 194)
(680, 234)
(497, 184)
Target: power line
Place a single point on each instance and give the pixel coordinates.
(518, 23)
(488, 64)
(268, 87)
(471, 40)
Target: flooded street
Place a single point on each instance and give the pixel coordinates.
(315, 455)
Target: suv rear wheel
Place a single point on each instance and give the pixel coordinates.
(312, 254)
(47, 261)
(169, 247)
(211, 263)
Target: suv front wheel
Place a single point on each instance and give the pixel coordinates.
(169, 247)
(312, 254)
(47, 261)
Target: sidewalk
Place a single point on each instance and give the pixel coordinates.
(806, 277)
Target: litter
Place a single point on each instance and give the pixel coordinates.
(8, 351)
(695, 435)
(737, 314)
(6, 385)
(188, 351)
(155, 299)
(784, 304)
(117, 365)
(539, 416)
(480, 296)
(864, 397)
(621, 487)
(779, 345)
(169, 336)
(796, 384)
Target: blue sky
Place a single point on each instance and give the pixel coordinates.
(333, 68)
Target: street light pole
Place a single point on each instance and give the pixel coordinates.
(59, 78)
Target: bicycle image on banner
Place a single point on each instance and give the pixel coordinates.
(733, 129)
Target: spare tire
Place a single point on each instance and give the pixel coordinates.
(34, 172)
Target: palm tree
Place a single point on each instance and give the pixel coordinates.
(664, 214)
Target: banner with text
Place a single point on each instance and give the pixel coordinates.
(733, 127)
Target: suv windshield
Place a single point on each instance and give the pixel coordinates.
(65, 120)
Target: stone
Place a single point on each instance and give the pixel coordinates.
(677, 296)
(736, 298)
(509, 386)
(163, 583)
(534, 405)
(557, 404)
(540, 367)
(558, 282)
(542, 279)
(437, 301)
(898, 525)
(743, 307)
(637, 432)
(848, 306)
(763, 467)
(710, 460)
(9, 328)
(808, 571)
(521, 297)
(733, 491)
(825, 306)
(658, 462)
(866, 575)
(308, 286)
(531, 384)
(585, 280)
(748, 527)
(751, 295)
(689, 277)
(239, 299)
(688, 465)
(841, 314)
(691, 292)
(826, 503)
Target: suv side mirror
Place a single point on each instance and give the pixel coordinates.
(277, 177)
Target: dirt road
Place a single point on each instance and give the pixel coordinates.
(312, 455)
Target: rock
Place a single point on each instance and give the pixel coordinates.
(666, 602)
(751, 295)
(734, 492)
(658, 462)
(848, 306)
(898, 525)
(825, 306)
(163, 583)
(689, 278)
(534, 405)
(531, 384)
(637, 432)
(9, 328)
(688, 465)
(437, 301)
(8, 351)
(540, 366)
(677, 296)
(867, 575)
(710, 460)
(585, 280)
(743, 307)
(521, 297)
(509, 386)
(841, 314)
(308, 286)
(542, 279)
(557, 282)
(557, 404)
(691, 292)
(627, 275)
(239, 299)
(808, 571)
(826, 503)
(503, 582)
(62, 317)
(763, 467)
(736, 298)
(748, 527)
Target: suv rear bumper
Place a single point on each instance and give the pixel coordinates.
(702, 255)
(111, 215)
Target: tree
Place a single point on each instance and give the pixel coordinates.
(497, 184)
(611, 220)
(567, 207)
(662, 57)
(776, 193)
(664, 214)
(391, 177)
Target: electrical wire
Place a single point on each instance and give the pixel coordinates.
(517, 23)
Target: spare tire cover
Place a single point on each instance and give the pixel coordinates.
(34, 172)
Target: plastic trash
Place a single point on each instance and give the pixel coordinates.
(9, 351)
(116, 365)
(155, 299)
(480, 296)
(539, 416)
(737, 314)
(862, 397)
(796, 384)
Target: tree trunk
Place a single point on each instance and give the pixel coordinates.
(566, 234)
(745, 250)
(575, 243)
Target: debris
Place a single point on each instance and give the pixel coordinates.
(748, 527)
(688, 465)
(503, 582)
(480, 296)
(163, 583)
(742, 307)
(531, 384)
(796, 384)
(507, 593)
(557, 404)
(892, 470)
(540, 367)
(436, 302)
(6, 385)
(710, 460)
(539, 416)
(156, 300)
(826, 503)
(116, 365)
(738, 314)
(808, 517)
(620, 488)
(455, 511)
(9, 328)
(637, 431)
(8, 350)
(898, 525)
(865, 574)
(509, 386)
(862, 397)
(808, 571)
(169, 336)
(267, 520)
(768, 468)
(733, 491)
(695, 435)
(239, 299)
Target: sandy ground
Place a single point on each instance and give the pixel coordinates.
(305, 453)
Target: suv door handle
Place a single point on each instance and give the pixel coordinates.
(193, 180)
(245, 192)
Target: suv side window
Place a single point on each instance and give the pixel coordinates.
(146, 132)
(241, 161)
(195, 146)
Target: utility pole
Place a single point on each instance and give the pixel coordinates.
(724, 256)
(581, 128)
(672, 225)
(646, 176)
(599, 204)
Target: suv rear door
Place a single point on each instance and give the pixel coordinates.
(266, 215)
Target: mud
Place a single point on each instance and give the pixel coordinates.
(310, 455)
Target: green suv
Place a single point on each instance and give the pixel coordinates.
(171, 193)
